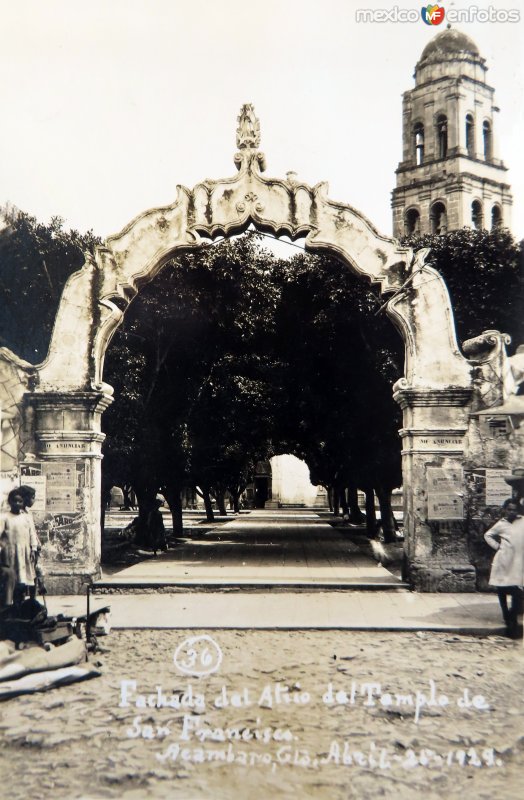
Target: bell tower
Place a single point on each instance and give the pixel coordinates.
(450, 175)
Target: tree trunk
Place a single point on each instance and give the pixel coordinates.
(235, 496)
(145, 497)
(127, 489)
(190, 496)
(356, 516)
(371, 517)
(336, 501)
(386, 514)
(208, 505)
(343, 502)
(105, 500)
(173, 496)
(330, 498)
(220, 496)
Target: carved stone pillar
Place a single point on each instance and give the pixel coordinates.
(68, 454)
(435, 424)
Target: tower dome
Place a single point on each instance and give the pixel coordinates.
(450, 54)
(449, 42)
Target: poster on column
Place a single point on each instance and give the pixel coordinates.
(61, 486)
(445, 490)
(269, 652)
(487, 491)
(59, 504)
(32, 474)
(497, 490)
(8, 480)
(58, 485)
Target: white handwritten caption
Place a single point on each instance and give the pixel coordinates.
(369, 694)
(340, 754)
(222, 745)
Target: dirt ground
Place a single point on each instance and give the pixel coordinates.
(313, 714)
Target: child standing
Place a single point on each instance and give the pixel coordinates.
(20, 543)
(507, 570)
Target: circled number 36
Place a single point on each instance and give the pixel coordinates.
(198, 655)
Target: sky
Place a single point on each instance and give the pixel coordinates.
(109, 104)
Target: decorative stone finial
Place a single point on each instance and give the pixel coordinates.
(248, 140)
(248, 131)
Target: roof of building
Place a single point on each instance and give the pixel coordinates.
(449, 42)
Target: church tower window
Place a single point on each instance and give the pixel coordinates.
(419, 143)
(412, 222)
(438, 217)
(442, 136)
(470, 135)
(476, 215)
(487, 139)
(496, 218)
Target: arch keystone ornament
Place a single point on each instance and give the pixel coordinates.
(59, 410)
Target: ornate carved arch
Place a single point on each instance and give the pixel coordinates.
(57, 405)
(96, 296)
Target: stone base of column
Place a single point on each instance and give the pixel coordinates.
(68, 583)
(439, 576)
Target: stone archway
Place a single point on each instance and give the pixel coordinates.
(60, 401)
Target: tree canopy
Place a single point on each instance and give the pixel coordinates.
(35, 262)
(484, 274)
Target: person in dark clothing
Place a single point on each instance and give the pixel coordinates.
(155, 527)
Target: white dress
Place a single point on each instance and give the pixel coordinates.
(21, 536)
(507, 538)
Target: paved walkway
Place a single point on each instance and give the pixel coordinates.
(263, 548)
(260, 561)
(346, 610)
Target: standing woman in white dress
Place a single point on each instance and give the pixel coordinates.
(507, 569)
(29, 496)
(21, 544)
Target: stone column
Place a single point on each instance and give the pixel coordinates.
(455, 126)
(436, 547)
(68, 445)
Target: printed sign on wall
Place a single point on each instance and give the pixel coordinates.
(445, 488)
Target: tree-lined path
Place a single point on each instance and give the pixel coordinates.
(263, 548)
